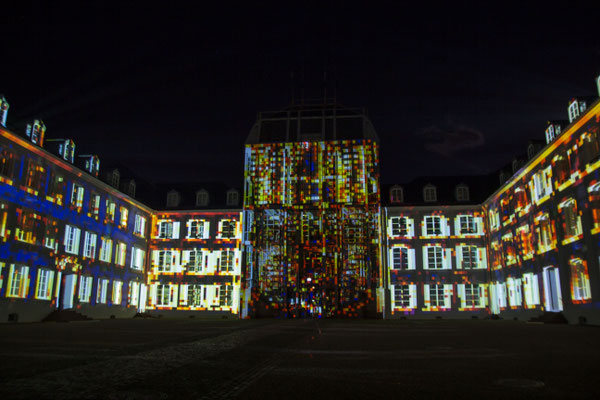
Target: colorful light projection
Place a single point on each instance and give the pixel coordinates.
(312, 224)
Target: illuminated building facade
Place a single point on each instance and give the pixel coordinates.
(311, 214)
(195, 256)
(67, 240)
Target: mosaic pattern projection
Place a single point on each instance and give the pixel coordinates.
(311, 212)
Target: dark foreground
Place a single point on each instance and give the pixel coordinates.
(309, 359)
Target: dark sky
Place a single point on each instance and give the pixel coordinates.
(173, 91)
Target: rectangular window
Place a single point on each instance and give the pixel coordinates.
(167, 229)
(542, 184)
(469, 257)
(433, 225)
(405, 296)
(77, 196)
(531, 290)
(545, 232)
(110, 211)
(120, 253)
(197, 229)
(140, 226)
(117, 293)
(85, 288)
(89, 245)
(166, 295)
(467, 225)
(225, 295)
(193, 260)
(102, 291)
(72, 235)
(515, 296)
(7, 163)
(56, 191)
(29, 227)
(195, 298)
(399, 226)
(472, 296)
(45, 279)
(571, 221)
(526, 241)
(124, 217)
(401, 258)
(437, 295)
(95, 205)
(18, 281)
(434, 259)
(106, 250)
(580, 281)
(134, 293)
(51, 234)
(227, 261)
(166, 260)
(228, 228)
(36, 176)
(137, 258)
(510, 253)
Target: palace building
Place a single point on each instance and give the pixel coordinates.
(312, 233)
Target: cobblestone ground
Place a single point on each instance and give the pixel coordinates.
(272, 359)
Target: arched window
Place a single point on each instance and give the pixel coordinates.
(462, 192)
(397, 194)
(3, 110)
(115, 177)
(429, 193)
(173, 198)
(131, 188)
(232, 197)
(202, 198)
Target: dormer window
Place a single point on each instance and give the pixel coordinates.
(35, 132)
(530, 151)
(3, 110)
(131, 188)
(462, 193)
(114, 178)
(232, 197)
(429, 193)
(503, 177)
(598, 84)
(550, 133)
(397, 194)
(573, 110)
(515, 165)
(92, 165)
(173, 198)
(202, 198)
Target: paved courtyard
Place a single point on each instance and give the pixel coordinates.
(305, 359)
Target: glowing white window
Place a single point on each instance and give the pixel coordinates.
(137, 258)
(85, 289)
(102, 291)
(106, 249)
(77, 196)
(45, 279)
(433, 225)
(404, 296)
(18, 277)
(117, 293)
(139, 227)
(72, 235)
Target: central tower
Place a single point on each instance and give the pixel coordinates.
(311, 213)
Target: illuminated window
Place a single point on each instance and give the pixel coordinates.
(195, 298)
(433, 225)
(166, 295)
(571, 221)
(124, 217)
(36, 176)
(18, 281)
(45, 278)
(120, 253)
(510, 253)
(35, 132)
(469, 257)
(110, 210)
(117, 292)
(106, 249)
(197, 229)
(405, 296)
(580, 280)
(133, 294)
(562, 170)
(437, 295)
(102, 291)
(29, 225)
(139, 227)
(167, 229)
(573, 110)
(590, 148)
(202, 198)
(77, 196)
(515, 297)
(3, 111)
(228, 228)
(165, 261)
(467, 225)
(526, 241)
(95, 205)
(594, 191)
(232, 197)
(397, 194)
(434, 257)
(545, 232)
(72, 235)
(471, 295)
(399, 226)
(429, 193)
(225, 295)
(531, 290)
(173, 198)
(7, 162)
(521, 199)
(193, 260)
(89, 245)
(552, 131)
(85, 288)
(402, 258)
(227, 261)
(494, 219)
(137, 258)
(462, 193)
(542, 184)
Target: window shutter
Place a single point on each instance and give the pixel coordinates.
(426, 299)
(189, 228)
(461, 294)
(481, 258)
(445, 226)
(411, 258)
(457, 226)
(67, 234)
(447, 296)
(410, 223)
(447, 258)
(389, 227)
(412, 289)
(185, 257)
(459, 257)
(479, 225)
(425, 258)
(175, 230)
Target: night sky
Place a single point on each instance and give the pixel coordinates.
(172, 91)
